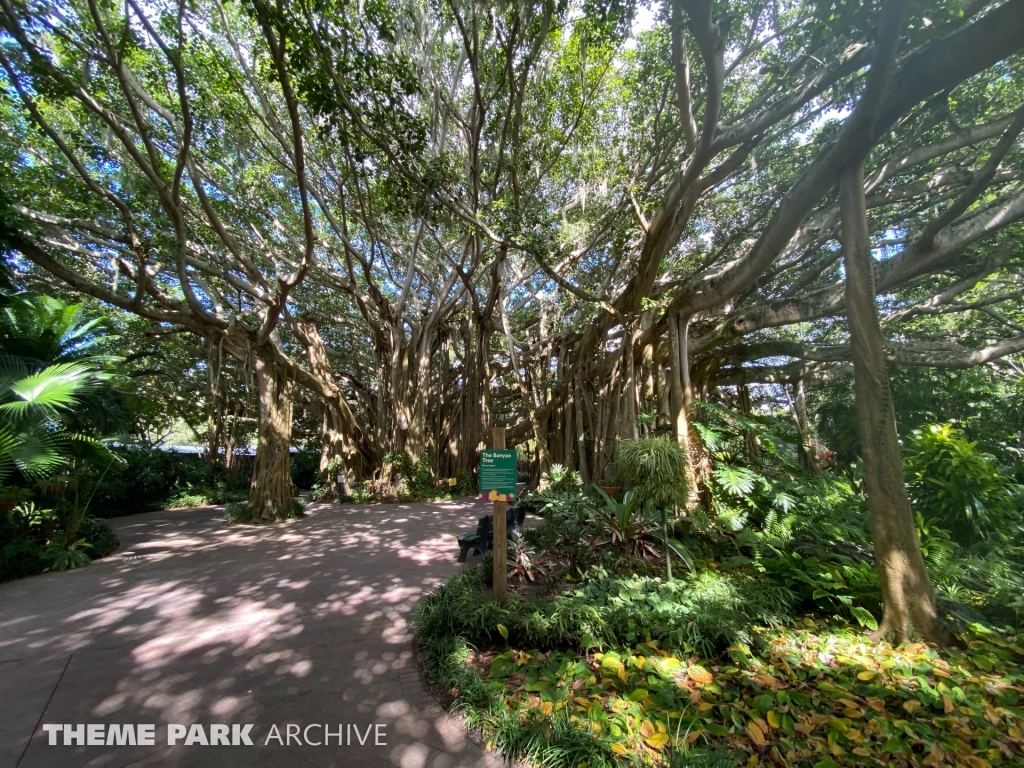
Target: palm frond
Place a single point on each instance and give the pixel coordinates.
(53, 388)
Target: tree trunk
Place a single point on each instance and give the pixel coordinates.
(807, 455)
(214, 411)
(628, 429)
(908, 599)
(581, 437)
(270, 493)
(680, 398)
(751, 447)
(339, 428)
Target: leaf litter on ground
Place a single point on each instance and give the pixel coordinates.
(820, 696)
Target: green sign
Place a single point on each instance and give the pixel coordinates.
(498, 475)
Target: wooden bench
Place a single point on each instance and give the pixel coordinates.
(479, 540)
(515, 521)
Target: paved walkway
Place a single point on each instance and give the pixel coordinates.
(191, 621)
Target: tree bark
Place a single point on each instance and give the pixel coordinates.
(270, 492)
(751, 447)
(908, 599)
(807, 456)
(680, 399)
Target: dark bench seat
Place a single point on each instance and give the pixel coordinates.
(481, 540)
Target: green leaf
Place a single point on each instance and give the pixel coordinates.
(503, 631)
(864, 617)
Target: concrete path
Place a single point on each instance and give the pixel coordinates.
(192, 621)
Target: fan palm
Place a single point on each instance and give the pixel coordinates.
(48, 330)
(34, 408)
(42, 331)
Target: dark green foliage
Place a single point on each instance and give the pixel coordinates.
(152, 479)
(33, 541)
(982, 402)
(305, 469)
(22, 546)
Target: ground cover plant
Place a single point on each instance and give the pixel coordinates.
(818, 695)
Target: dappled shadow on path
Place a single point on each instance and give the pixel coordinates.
(193, 621)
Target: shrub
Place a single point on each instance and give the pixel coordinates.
(22, 545)
(562, 480)
(955, 484)
(421, 484)
(33, 541)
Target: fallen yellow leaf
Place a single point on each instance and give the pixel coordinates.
(657, 740)
(647, 728)
(773, 718)
(992, 714)
(867, 674)
(618, 749)
(546, 707)
(755, 734)
(699, 675)
(912, 706)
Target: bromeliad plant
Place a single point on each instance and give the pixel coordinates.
(624, 525)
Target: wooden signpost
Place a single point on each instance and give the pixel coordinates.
(498, 483)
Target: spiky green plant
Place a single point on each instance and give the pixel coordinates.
(655, 469)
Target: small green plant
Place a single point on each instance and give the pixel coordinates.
(64, 556)
(559, 479)
(238, 512)
(655, 468)
(625, 525)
